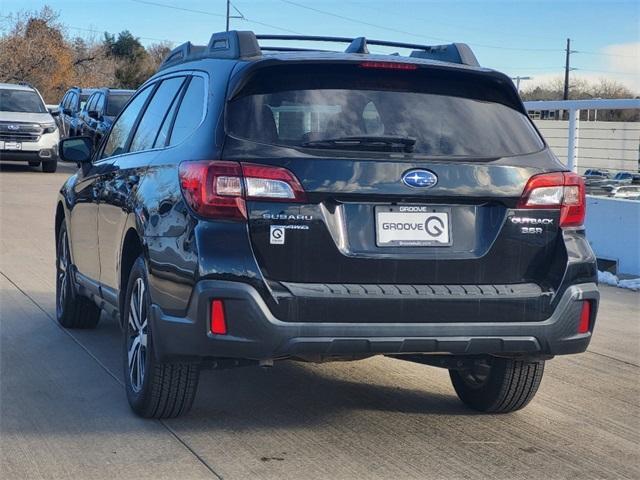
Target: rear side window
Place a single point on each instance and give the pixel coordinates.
(117, 141)
(444, 117)
(190, 112)
(163, 134)
(73, 101)
(116, 103)
(155, 113)
(98, 106)
(83, 100)
(90, 103)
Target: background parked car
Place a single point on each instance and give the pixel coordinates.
(621, 178)
(596, 174)
(70, 106)
(28, 132)
(99, 112)
(628, 192)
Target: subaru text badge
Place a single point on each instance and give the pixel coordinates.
(419, 178)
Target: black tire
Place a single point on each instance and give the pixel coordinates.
(34, 164)
(154, 389)
(50, 166)
(72, 309)
(498, 385)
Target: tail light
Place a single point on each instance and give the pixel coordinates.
(218, 189)
(389, 65)
(559, 190)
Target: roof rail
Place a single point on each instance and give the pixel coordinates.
(454, 52)
(232, 44)
(244, 44)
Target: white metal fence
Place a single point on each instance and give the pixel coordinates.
(587, 144)
(613, 230)
(610, 145)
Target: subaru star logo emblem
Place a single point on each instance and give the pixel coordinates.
(419, 178)
(13, 127)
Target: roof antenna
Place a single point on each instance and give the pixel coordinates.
(358, 45)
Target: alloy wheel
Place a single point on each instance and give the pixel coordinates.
(137, 335)
(63, 277)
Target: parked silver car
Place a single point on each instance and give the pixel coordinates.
(28, 132)
(628, 192)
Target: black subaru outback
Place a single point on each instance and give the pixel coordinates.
(258, 203)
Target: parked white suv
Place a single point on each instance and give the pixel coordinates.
(28, 132)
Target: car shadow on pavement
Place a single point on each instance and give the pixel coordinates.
(23, 167)
(295, 392)
(17, 167)
(292, 393)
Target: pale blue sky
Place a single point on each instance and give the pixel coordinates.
(517, 37)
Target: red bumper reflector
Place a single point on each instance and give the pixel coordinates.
(585, 318)
(218, 322)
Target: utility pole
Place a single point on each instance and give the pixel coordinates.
(229, 16)
(565, 95)
(518, 79)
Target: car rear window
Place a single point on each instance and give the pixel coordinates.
(116, 104)
(83, 99)
(457, 119)
(21, 101)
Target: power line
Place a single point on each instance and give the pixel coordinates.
(273, 26)
(212, 14)
(499, 47)
(466, 28)
(615, 72)
(173, 7)
(511, 67)
(382, 27)
(92, 30)
(229, 16)
(607, 54)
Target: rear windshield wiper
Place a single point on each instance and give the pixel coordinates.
(365, 142)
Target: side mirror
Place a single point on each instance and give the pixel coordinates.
(76, 149)
(94, 114)
(66, 111)
(54, 111)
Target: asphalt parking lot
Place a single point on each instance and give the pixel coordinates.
(63, 412)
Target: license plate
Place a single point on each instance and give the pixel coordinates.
(412, 226)
(12, 146)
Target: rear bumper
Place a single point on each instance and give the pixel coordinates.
(255, 333)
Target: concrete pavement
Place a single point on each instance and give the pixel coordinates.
(63, 412)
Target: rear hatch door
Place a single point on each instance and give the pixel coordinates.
(411, 176)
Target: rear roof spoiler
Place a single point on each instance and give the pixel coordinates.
(244, 45)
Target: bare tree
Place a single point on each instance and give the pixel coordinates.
(581, 89)
(35, 51)
(92, 65)
(157, 53)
